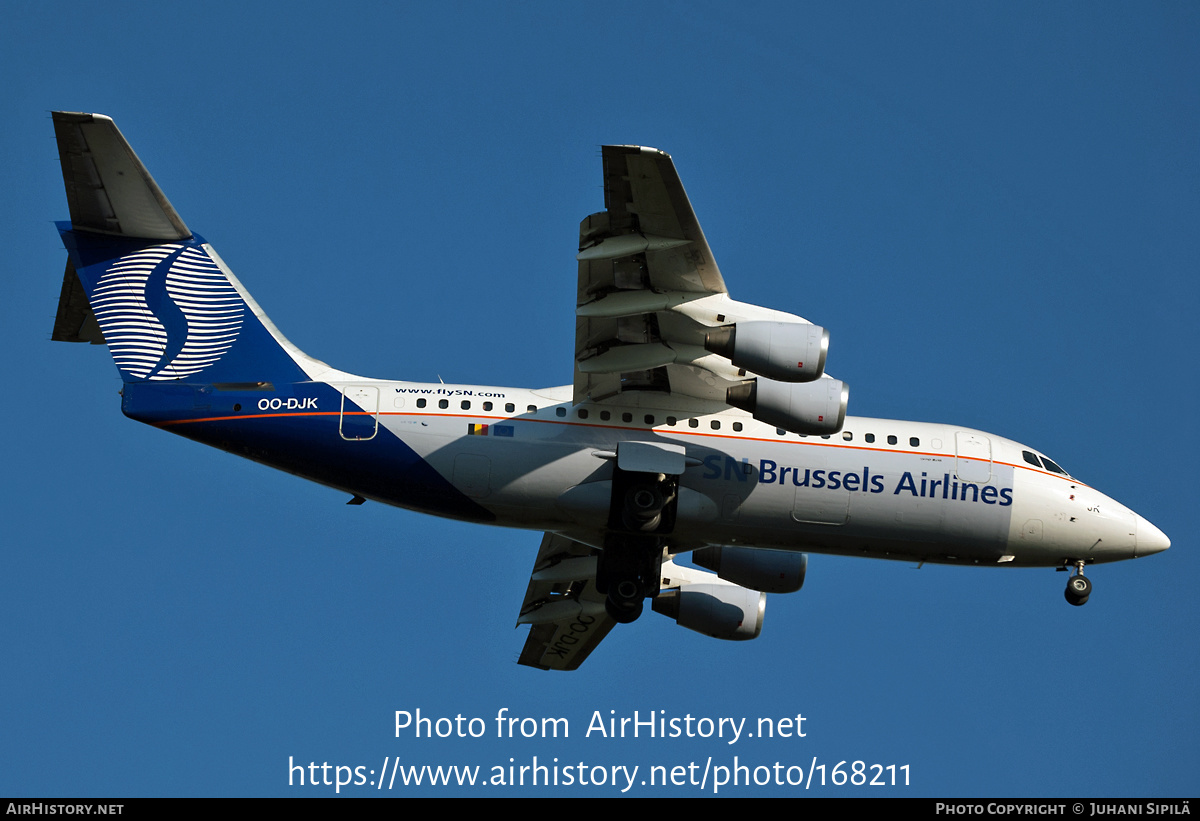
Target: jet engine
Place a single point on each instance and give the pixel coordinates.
(769, 571)
(786, 351)
(807, 407)
(721, 610)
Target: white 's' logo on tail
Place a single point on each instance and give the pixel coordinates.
(167, 312)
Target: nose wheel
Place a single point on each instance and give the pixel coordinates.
(1078, 587)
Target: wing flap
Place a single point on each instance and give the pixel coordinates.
(647, 205)
(649, 291)
(642, 256)
(566, 613)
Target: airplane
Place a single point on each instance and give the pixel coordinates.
(696, 424)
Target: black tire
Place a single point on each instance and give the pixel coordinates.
(623, 613)
(643, 508)
(625, 601)
(1078, 590)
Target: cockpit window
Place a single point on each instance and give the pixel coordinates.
(1042, 461)
(1053, 467)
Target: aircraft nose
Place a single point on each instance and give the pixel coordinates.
(1149, 538)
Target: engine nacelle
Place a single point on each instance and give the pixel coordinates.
(770, 571)
(723, 611)
(786, 351)
(807, 407)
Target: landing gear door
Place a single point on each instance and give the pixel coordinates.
(359, 417)
(974, 463)
(652, 457)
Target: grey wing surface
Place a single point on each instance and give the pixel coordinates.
(566, 614)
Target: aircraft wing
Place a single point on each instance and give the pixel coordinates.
(649, 289)
(656, 327)
(566, 613)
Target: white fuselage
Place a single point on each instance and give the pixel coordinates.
(879, 488)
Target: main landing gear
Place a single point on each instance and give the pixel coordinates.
(625, 600)
(640, 515)
(1078, 586)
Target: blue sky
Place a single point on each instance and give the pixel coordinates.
(992, 207)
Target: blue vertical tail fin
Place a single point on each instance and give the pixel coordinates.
(139, 280)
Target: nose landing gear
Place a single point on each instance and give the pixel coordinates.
(1078, 587)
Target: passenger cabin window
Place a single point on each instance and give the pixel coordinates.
(466, 405)
(487, 406)
(870, 437)
(509, 407)
(914, 442)
(737, 426)
(848, 436)
(892, 440)
(649, 418)
(560, 411)
(443, 403)
(421, 403)
(531, 408)
(671, 420)
(715, 424)
(605, 415)
(693, 423)
(780, 431)
(627, 417)
(583, 414)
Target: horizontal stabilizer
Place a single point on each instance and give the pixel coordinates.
(108, 189)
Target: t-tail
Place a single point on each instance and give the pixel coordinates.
(197, 354)
(140, 281)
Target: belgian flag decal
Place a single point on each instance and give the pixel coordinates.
(489, 430)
